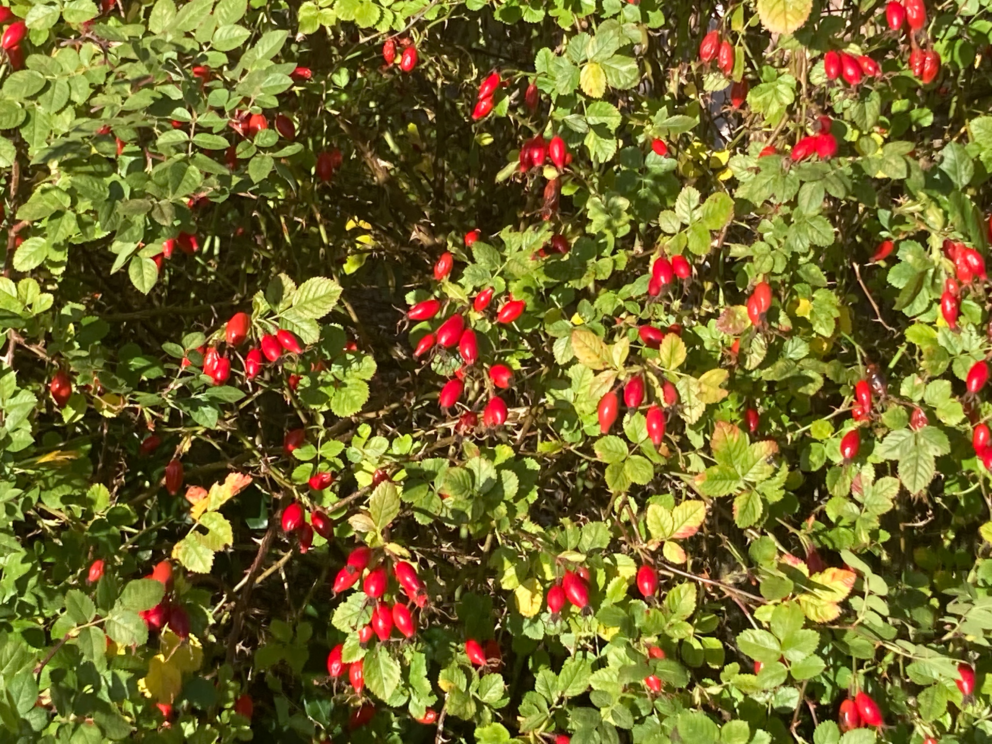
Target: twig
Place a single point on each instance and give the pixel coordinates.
(249, 584)
(48, 657)
(878, 314)
(440, 722)
(671, 570)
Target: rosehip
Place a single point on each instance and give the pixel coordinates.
(443, 266)
(607, 411)
(173, 477)
(95, 572)
(474, 652)
(495, 412)
(850, 444)
(482, 300)
(292, 517)
(237, 329)
(510, 311)
(271, 347)
(647, 581)
(978, 375)
(655, 421)
(468, 347)
(408, 60)
(868, 709)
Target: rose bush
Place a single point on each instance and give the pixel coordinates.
(382, 370)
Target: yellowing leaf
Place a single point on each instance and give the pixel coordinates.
(818, 610)
(834, 584)
(529, 597)
(688, 518)
(590, 349)
(673, 553)
(607, 633)
(220, 494)
(58, 456)
(986, 532)
(109, 405)
(709, 386)
(719, 158)
(803, 308)
(672, 352)
(784, 16)
(593, 80)
(165, 671)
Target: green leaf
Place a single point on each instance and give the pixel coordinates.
(680, 602)
(31, 254)
(621, 72)
(143, 273)
(694, 726)
(808, 668)
(957, 164)
(79, 607)
(384, 505)
(23, 84)
(717, 211)
(350, 398)
(316, 297)
(603, 113)
(610, 449)
(382, 672)
(42, 17)
(140, 595)
(639, 470)
(590, 350)
(230, 37)
(352, 614)
(230, 11)
(747, 509)
(194, 553)
(573, 680)
(760, 645)
(126, 628)
(494, 733)
(162, 16)
(259, 168)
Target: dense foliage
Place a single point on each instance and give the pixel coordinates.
(394, 370)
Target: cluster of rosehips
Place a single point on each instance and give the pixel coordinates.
(759, 303)
(862, 710)
(489, 658)
(823, 144)
(923, 63)
(485, 100)
(384, 618)
(969, 265)
(535, 152)
(11, 39)
(453, 331)
(408, 57)
(665, 271)
(713, 47)
(218, 367)
(294, 522)
(838, 64)
(574, 588)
